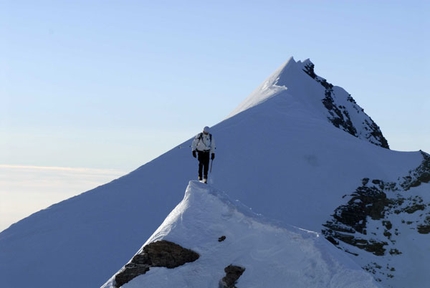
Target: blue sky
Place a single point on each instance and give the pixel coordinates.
(111, 85)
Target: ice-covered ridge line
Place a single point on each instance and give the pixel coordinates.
(196, 188)
(279, 81)
(272, 256)
(269, 88)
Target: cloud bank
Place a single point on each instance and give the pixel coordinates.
(26, 189)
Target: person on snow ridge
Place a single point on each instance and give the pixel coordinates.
(203, 147)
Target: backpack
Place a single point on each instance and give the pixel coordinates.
(201, 137)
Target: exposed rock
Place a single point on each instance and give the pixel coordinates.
(340, 115)
(232, 274)
(157, 254)
(425, 227)
(350, 220)
(380, 202)
(419, 175)
(129, 272)
(167, 254)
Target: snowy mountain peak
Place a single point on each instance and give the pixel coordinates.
(286, 155)
(319, 98)
(227, 236)
(268, 88)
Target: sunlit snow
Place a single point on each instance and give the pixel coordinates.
(277, 154)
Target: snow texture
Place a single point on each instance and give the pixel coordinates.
(272, 256)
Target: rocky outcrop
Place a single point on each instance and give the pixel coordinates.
(419, 175)
(340, 115)
(157, 254)
(232, 274)
(170, 255)
(350, 220)
(380, 202)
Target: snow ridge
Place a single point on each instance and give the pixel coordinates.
(298, 80)
(282, 156)
(272, 256)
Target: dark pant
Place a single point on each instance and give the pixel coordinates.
(203, 158)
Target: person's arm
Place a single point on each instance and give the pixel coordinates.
(193, 147)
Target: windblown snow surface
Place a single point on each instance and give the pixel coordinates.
(279, 155)
(272, 256)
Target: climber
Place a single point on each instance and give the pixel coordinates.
(203, 148)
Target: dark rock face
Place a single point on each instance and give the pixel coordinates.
(165, 254)
(340, 115)
(232, 274)
(419, 175)
(129, 272)
(380, 202)
(352, 217)
(170, 255)
(157, 254)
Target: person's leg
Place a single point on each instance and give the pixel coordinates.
(205, 166)
(200, 171)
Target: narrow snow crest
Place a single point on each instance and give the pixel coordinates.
(272, 86)
(202, 199)
(225, 232)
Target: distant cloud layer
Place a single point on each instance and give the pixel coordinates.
(27, 189)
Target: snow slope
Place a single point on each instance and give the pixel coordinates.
(271, 255)
(278, 153)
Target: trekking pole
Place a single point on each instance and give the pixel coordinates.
(212, 162)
